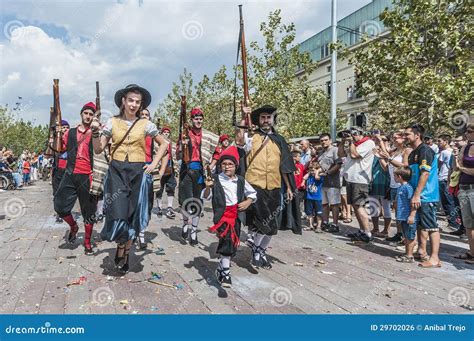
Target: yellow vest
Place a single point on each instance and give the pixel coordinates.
(264, 171)
(134, 145)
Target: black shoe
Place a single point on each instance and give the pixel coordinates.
(59, 219)
(395, 238)
(193, 242)
(88, 250)
(264, 263)
(170, 214)
(364, 238)
(142, 244)
(255, 263)
(333, 228)
(325, 227)
(159, 212)
(184, 235)
(460, 232)
(72, 236)
(226, 281)
(354, 235)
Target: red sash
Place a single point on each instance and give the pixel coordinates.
(228, 218)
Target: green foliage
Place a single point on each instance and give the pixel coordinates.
(272, 67)
(19, 135)
(422, 71)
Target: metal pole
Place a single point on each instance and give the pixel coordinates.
(333, 69)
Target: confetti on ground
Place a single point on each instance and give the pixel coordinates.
(79, 281)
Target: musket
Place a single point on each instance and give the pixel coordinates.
(243, 52)
(183, 131)
(208, 172)
(57, 137)
(97, 100)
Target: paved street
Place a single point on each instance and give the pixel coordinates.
(312, 273)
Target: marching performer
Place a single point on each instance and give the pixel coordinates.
(76, 181)
(60, 167)
(191, 178)
(168, 180)
(223, 143)
(127, 184)
(270, 169)
(231, 195)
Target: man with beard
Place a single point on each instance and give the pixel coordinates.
(191, 178)
(270, 169)
(76, 180)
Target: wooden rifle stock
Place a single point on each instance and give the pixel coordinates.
(57, 142)
(97, 100)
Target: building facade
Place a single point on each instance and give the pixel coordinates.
(350, 30)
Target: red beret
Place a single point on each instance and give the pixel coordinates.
(223, 137)
(89, 105)
(230, 153)
(165, 129)
(197, 112)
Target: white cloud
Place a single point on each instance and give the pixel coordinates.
(119, 44)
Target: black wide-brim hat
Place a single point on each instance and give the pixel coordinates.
(146, 96)
(269, 109)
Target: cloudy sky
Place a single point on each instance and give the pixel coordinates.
(118, 42)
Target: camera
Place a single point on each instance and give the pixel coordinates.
(344, 134)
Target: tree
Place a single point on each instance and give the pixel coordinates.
(277, 75)
(422, 70)
(302, 110)
(215, 96)
(18, 135)
(168, 111)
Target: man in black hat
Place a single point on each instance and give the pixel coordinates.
(270, 169)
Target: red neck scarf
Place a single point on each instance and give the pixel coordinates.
(362, 140)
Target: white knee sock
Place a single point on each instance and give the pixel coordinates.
(194, 225)
(224, 263)
(100, 207)
(170, 201)
(185, 225)
(159, 201)
(265, 242)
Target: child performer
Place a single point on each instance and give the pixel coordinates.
(231, 195)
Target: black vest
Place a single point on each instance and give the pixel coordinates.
(72, 147)
(218, 198)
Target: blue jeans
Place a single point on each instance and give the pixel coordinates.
(16, 179)
(447, 202)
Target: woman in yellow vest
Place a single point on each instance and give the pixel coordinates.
(127, 181)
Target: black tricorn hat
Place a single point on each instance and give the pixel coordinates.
(146, 97)
(269, 109)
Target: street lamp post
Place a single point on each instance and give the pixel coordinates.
(333, 69)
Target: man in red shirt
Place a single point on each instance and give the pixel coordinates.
(222, 145)
(76, 181)
(191, 178)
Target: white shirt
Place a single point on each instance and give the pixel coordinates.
(230, 190)
(435, 148)
(391, 168)
(248, 141)
(359, 170)
(444, 158)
